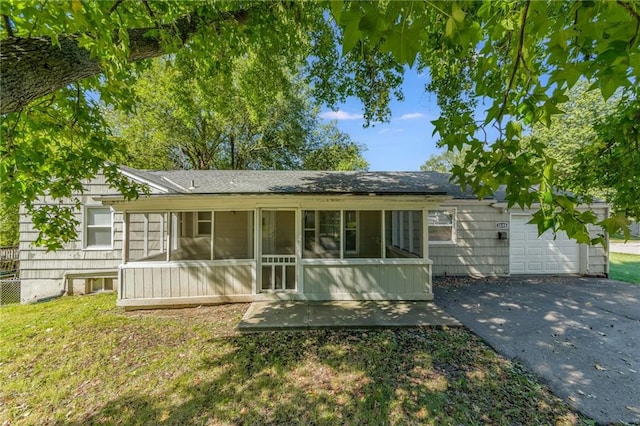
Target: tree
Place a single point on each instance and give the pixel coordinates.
(518, 57)
(257, 117)
(571, 131)
(9, 225)
(574, 139)
(612, 162)
(443, 162)
(332, 149)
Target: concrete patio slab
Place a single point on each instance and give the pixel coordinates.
(579, 335)
(270, 316)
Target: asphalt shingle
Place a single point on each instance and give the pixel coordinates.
(305, 182)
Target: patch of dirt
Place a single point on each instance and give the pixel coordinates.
(202, 312)
(222, 318)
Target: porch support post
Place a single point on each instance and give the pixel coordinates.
(425, 234)
(384, 234)
(425, 245)
(169, 232)
(212, 239)
(298, 250)
(341, 233)
(256, 285)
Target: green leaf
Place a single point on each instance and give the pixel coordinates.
(514, 129)
(336, 9)
(450, 27)
(402, 45)
(457, 13)
(608, 87)
(372, 22)
(351, 34)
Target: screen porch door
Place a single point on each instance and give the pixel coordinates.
(277, 257)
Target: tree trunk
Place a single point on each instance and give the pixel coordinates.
(33, 67)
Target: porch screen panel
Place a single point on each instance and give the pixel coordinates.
(403, 233)
(364, 240)
(233, 235)
(322, 234)
(192, 235)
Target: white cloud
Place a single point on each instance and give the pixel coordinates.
(388, 131)
(411, 116)
(340, 115)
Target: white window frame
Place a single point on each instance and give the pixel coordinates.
(454, 226)
(197, 221)
(85, 227)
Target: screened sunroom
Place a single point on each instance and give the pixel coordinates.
(315, 254)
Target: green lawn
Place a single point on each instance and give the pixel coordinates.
(80, 360)
(624, 267)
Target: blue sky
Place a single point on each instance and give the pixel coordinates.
(406, 141)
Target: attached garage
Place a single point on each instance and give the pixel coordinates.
(533, 254)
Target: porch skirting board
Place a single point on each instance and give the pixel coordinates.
(179, 302)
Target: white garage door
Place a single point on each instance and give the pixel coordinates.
(530, 254)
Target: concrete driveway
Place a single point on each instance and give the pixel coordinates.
(581, 336)
(630, 247)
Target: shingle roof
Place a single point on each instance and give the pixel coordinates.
(301, 182)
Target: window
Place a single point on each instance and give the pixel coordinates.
(359, 232)
(94, 285)
(203, 225)
(442, 226)
(321, 233)
(98, 227)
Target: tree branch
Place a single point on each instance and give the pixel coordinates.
(33, 67)
(115, 6)
(519, 57)
(149, 10)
